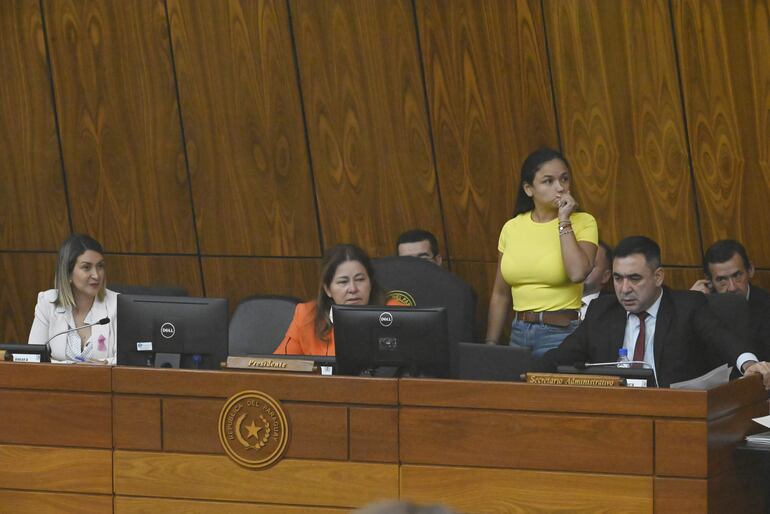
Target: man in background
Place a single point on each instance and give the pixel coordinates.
(728, 269)
(419, 243)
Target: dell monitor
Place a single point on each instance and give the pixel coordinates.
(172, 331)
(413, 340)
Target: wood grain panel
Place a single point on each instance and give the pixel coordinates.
(727, 432)
(213, 477)
(56, 469)
(23, 275)
(373, 434)
(682, 278)
(136, 423)
(489, 93)
(316, 431)
(190, 426)
(60, 419)
(55, 377)
(555, 399)
(131, 505)
(281, 386)
(621, 121)
(724, 49)
(498, 491)
(237, 278)
(516, 440)
(680, 496)
(681, 448)
(366, 120)
(33, 209)
(156, 270)
(243, 128)
(24, 502)
(761, 278)
(119, 122)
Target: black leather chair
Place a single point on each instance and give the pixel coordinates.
(733, 311)
(148, 290)
(259, 324)
(424, 284)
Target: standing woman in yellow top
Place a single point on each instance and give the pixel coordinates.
(545, 252)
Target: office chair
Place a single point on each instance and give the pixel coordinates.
(259, 324)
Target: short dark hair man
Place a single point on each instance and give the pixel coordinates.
(728, 269)
(419, 243)
(674, 331)
(599, 276)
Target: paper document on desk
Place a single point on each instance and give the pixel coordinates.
(715, 377)
(764, 421)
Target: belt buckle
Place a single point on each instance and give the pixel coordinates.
(540, 317)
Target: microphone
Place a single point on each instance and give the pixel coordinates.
(586, 365)
(102, 321)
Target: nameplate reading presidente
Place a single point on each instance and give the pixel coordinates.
(253, 429)
(573, 380)
(271, 364)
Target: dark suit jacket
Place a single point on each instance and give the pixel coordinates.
(686, 333)
(759, 318)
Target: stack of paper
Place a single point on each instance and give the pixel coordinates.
(715, 377)
(763, 438)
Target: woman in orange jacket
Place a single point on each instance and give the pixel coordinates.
(347, 278)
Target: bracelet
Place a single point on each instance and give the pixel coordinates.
(568, 231)
(565, 222)
(564, 228)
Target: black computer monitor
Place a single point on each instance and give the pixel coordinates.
(25, 352)
(411, 339)
(172, 331)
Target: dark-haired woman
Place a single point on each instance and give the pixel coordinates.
(80, 297)
(347, 278)
(545, 252)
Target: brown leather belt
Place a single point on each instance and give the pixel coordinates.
(555, 318)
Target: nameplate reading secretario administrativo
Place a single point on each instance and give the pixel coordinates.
(271, 364)
(573, 380)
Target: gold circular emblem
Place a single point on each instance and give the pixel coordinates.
(253, 429)
(403, 297)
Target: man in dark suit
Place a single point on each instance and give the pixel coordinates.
(674, 331)
(728, 269)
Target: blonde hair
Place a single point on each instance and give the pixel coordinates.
(72, 248)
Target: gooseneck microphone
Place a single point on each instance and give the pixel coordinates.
(586, 365)
(102, 321)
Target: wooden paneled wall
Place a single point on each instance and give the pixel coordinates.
(222, 145)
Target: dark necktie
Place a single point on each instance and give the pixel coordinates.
(639, 347)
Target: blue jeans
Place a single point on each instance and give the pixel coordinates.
(538, 337)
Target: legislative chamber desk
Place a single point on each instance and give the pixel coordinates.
(85, 439)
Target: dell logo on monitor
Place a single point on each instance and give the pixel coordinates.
(386, 319)
(167, 330)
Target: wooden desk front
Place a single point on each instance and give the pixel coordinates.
(129, 440)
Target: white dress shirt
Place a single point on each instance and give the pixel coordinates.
(632, 332)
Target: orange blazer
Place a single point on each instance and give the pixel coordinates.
(301, 339)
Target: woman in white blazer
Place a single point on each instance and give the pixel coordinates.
(80, 298)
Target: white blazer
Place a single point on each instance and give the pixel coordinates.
(50, 319)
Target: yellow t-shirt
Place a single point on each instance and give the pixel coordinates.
(532, 263)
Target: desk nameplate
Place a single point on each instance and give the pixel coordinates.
(271, 364)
